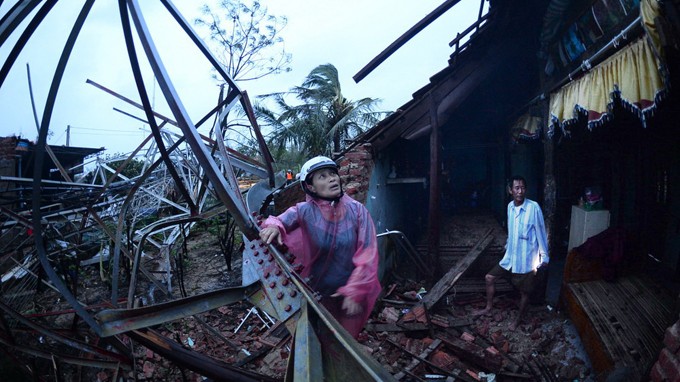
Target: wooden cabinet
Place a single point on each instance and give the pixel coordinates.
(585, 224)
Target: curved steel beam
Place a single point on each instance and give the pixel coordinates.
(39, 159)
(225, 193)
(146, 102)
(245, 102)
(19, 46)
(14, 17)
(117, 321)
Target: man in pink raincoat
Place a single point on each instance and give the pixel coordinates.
(334, 238)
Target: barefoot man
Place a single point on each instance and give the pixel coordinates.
(525, 251)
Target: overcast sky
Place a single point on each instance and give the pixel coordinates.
(347, 34)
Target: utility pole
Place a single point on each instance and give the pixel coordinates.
(68, 135)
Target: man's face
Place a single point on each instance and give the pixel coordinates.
(325, 183)
(517, 191)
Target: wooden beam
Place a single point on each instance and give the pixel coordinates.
(434, 208)
(414, 30)
(450, 278)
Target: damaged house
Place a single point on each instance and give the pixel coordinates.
(579, 98)
(576, 96)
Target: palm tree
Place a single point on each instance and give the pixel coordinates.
(323, 121)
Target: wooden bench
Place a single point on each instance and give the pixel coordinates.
(621, 322)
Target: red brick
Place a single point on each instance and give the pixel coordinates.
(467, 337)
(473, 375)
(492, 350)
(497, 337)
(358, 155)
(442, 359)
(672, 337)
(669, 363)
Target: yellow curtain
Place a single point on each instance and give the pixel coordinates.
(633, 73)
(527, 126)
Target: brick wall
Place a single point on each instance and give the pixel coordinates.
(7, 147)
(667, 367)
(355, 171)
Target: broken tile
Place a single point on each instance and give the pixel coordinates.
(467, 337)
(390, 315)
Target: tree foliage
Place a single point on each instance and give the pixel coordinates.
(323, 121)
(132, 169)
(247, 37)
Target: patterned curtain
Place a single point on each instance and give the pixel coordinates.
(633, 74)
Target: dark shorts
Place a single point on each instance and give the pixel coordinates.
(522, 281)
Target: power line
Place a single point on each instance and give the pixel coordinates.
(94, 129)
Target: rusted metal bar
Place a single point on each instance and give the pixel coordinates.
(62, 339)
(70, 311)
(393, 47)
(116, 321)
(19, 219)
(195, 361)
(307, 362)
(64, 358)
(338, 346)
(215, 332)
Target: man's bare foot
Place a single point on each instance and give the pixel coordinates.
(483, 312)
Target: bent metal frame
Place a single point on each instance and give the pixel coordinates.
(182, 171)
